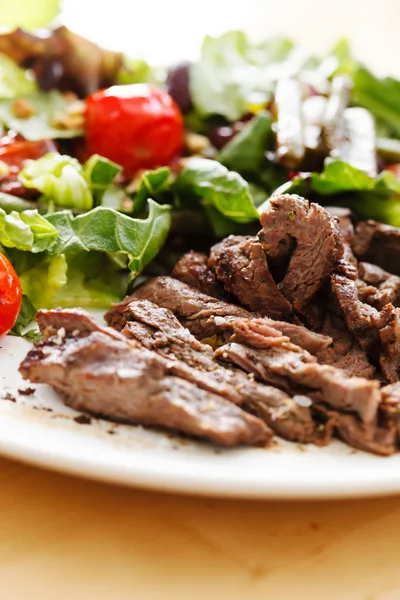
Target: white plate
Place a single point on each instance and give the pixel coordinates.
(39, 429)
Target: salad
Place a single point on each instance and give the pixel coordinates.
(110, 168)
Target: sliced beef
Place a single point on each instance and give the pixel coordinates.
(377, 331)
(189, 305)
(345, 351)
(198, 313)
(192, 268)
(379, 440)
(377, 287)
(240, 264)
(311, 237)
(157, 329)
(345, 221)
(109, 377)
(378, 244)
(282, 363)
(390, 407)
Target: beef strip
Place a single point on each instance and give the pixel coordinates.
(377, 287)
(314, 242)
(345, 352)
(197, 312)
(378, 244)
(377, 331)
(288, 365)
(192, 307)
(157, 329)
(390, 406)
(106, 376)
(239, 262)
(192, 268)
(379, 440)
(345, 220)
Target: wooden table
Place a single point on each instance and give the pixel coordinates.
(63, 538)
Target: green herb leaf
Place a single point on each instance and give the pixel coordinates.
(213, 184)
(45, 106)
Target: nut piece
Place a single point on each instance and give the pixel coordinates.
(21, 109)
(72, 118)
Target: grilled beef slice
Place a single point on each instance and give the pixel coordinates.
(390, 406)
(377, 331)
(278, 361)
(307, 235)
(197, 312)
(378, 244)
(240, 264)
(192, 268)
(345, 351)
(106, 376)
(157, 329)
(377, 287)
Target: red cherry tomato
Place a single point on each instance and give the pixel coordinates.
(10, 296)
(137, 126)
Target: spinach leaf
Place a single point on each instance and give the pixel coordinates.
(371, 198)
(214, 184)
(245, 153)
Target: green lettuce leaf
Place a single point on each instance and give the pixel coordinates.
(371, 198)
(94, 281)
(30, 15)
(245, 153)
(215, 185)
(234, 73)
(100, 173)
(152, 185)
(14, 81)
(60, 178)
(25, 318)
(42, 281)
(26, 230)
(45, 107)
(106, 230)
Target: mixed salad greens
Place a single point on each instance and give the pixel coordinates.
(87, 201)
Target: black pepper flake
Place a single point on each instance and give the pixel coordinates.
(9, 397)
(83, 420)
(27, 391)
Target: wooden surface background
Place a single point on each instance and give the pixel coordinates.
(63, 538)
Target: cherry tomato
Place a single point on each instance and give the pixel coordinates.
(137, 126)
(15, 150)
(10, 296)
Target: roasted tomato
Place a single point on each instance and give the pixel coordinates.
(14, 149)
(137, 126)
(10, 296)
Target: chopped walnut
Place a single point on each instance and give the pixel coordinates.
(21, 109)
(72, 118)
(196, 143)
